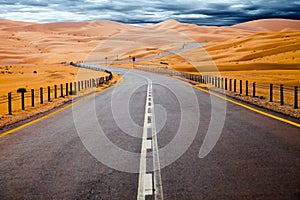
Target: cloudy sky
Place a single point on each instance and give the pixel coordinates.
(201, 12)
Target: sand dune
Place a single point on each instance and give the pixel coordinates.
(5, 23)
(67, 27)
(52, 43)
(261, 51)
(202, 33)
(270, 25)
(241, 45)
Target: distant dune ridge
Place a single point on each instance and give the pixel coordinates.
(263, 42)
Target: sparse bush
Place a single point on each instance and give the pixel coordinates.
(21, 90)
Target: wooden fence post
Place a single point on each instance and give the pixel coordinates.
(222, 83)
(9, 104)
(75, 88)
(254, 89)
(234, 85)
(23, 100)
(71, 88)
(247, 88)
(61, 90)
(281, 95)
(41, 95)
(271, 92)
(32, 97)
(49, 92)
(67, 89)
(296, 97)
(241, 87)
(55, 91)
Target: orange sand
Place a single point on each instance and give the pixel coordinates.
(271, 44)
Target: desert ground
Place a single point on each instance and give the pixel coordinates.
(262, 51)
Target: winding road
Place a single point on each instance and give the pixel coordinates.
(152, 137)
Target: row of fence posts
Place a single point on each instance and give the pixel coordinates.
(70, 89)
(229, 84)
(222, 83)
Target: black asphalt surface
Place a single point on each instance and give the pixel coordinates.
(68, 155)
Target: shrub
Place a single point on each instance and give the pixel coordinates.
(35, 72)
(21, 90)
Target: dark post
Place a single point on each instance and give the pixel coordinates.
(234, 85)
(281, 95)
(32, 97)
(23, 100)
(222, 83)
(254, 84)
(271, 92)
(219, 82)
(296, 97)
(241, 87)
(78, 86)
(230, 84)
(246, 88)
(71, 88)
(85, 84)
(225, 83)
(75, 88)
(9, 104)
(61, 90)
(41, 96)
(81, 84)
(67, 89)
(49, 92)
(55, 91)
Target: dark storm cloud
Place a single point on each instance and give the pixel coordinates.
(218, 12)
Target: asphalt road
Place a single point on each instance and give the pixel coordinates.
(92, 150)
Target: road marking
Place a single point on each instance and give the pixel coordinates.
(158, 192)
(146, 180)
(245, 106)
(149, 144)
(56, 111)
(148, 184)
(142, 173)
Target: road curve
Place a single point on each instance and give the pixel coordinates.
(92, 149)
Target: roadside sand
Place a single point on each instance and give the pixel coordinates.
(20, 115)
